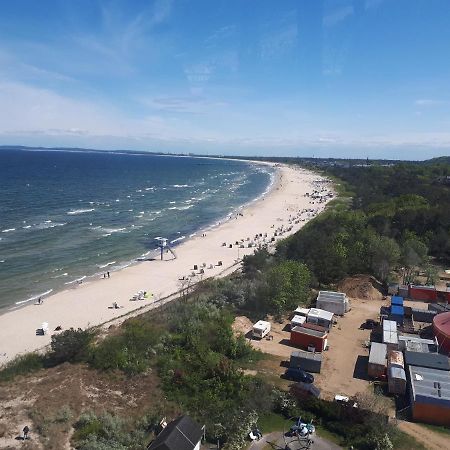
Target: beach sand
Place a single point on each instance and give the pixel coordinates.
(90, 303)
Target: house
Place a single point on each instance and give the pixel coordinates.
(180, 434)
(335, 302)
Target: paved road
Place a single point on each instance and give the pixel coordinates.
(276, 441)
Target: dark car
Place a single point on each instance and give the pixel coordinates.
(298, 375)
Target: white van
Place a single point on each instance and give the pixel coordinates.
(261, 329)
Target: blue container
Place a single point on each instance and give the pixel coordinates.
(397, 314)
(396, 300)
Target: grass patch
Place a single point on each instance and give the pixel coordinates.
(22, 365)
(328, 435)
(404, 441)
(271, 421)
(438, 428)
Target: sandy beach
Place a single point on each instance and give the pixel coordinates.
(281, 212)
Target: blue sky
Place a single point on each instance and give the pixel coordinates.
(350, 78)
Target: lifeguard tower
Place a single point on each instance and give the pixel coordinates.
(162, 243)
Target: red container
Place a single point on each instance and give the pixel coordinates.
(304, 337)
(425, 293)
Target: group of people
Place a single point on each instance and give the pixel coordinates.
(106, 275)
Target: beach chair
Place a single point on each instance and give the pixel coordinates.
(44, 327)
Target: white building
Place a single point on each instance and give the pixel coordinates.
(320, 317)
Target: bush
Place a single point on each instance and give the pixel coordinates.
(70, 346)
(130, 351)
(22, 365)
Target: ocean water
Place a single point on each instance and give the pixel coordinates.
(66, 215)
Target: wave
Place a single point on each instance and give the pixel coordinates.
(178, 239)
(77, 280)
(35, 297)
(102, 266)
(80, 211)
(8, 230)
(180, 185)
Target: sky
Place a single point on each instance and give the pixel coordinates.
(324, 78)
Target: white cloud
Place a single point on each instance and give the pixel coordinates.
(429, 102)
(338, 15)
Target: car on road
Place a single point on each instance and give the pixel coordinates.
(295, 374)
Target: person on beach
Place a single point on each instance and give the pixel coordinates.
(25, 430)
(108, 274)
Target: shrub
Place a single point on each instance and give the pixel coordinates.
(22, 365)
(70, 345)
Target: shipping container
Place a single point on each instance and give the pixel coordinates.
(377, 360)
(395, 358)
(426, 293)
(306, 338)
(308, 361)
(335, 302)
(396, 300)
(423, 315)
(434, 361)
(396, 380)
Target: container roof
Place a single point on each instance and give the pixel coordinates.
(397, 310)
(315, 356)
(330, 296)
(430, 385)
(397, 372)
(430, 360)
(302, 311)
(377, 353)
(396, 300)
(320, 314)
(298, 319)
(261, 324)
(309, 332)
(390, 337)
(389, 325)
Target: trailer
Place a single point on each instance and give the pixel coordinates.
(261, 329)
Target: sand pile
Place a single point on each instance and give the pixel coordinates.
(241, 325)
(361, 286)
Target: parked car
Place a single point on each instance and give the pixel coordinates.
(296, 374)
(344, 400)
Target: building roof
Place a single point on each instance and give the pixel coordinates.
(302, 311)
(331, 296)
(389, 325)
(428, 288)
(397, 372)
(298, 319)
(261, 325)
(429, 360)
(416, 344)
(314, 356)
(180, 434)
(309, 332)
(397, 310)
(377, 354)
(320, 314)
(396, 300)
(430, 385)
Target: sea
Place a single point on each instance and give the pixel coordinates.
(75, 215)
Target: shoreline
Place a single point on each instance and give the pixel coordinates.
(120, 265)
(271, 217)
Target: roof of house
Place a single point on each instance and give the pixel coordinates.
(180, 434)
(429, 360)
(430, 385)
(320, 314)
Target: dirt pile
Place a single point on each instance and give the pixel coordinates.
(364, 287)
(241, 325)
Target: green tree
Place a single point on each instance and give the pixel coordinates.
(288, 286)
(70, 345)
(384, 255)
